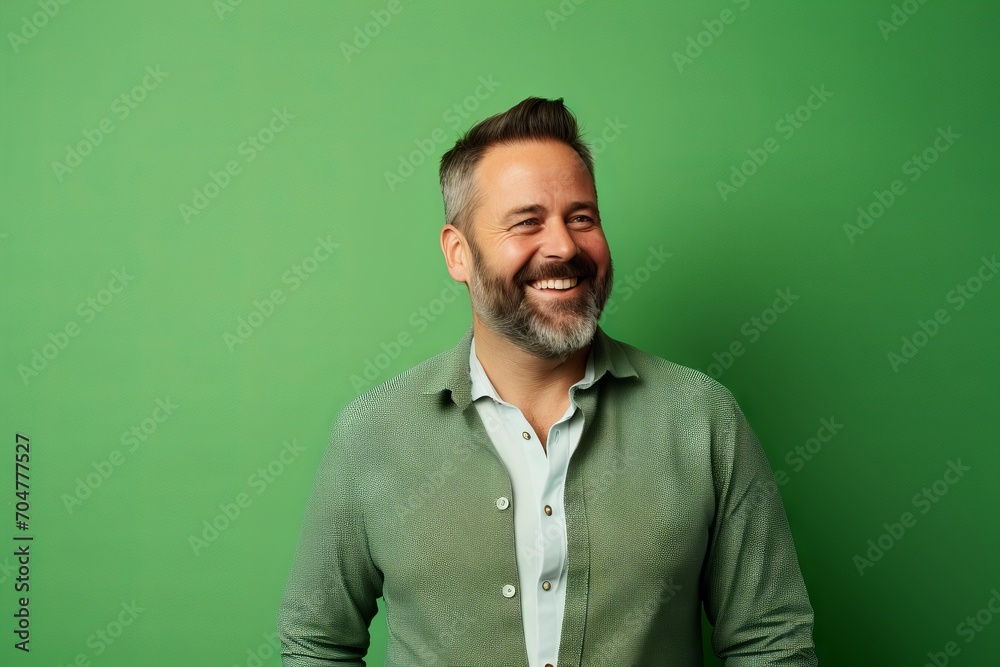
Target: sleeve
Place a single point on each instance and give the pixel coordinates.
(331, 594)
(753, 590)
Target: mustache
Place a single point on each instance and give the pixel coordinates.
(577, 267)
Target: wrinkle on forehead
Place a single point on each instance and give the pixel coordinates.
(508, 180)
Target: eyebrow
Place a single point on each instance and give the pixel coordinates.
(538, 208)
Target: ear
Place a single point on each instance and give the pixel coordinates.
(456, 253)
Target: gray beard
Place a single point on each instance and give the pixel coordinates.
(504, 308)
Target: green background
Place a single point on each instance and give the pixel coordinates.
(681, 127)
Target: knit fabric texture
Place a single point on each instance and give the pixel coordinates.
(670, 504)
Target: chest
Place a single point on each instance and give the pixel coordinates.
(442, 499)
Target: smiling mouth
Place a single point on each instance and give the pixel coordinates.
(555, 284)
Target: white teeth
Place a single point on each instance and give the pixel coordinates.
(556, 283)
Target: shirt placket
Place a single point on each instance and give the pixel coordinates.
(547, 469)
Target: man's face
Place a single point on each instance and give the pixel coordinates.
(541, 268)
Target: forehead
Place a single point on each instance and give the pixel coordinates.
(532, 169)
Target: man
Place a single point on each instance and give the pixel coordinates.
(542, 494)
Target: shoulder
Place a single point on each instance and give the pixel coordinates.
(413, 389)
(660, 379)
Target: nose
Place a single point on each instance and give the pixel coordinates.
(557, 242)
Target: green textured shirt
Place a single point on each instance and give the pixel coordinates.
(670, 505)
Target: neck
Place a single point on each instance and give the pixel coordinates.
(519, 376)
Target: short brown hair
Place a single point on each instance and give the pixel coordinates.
(533, 118)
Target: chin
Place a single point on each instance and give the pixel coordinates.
(552, 343)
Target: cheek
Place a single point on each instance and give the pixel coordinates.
(597, 249)
(513, 258)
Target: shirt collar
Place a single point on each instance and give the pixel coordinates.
(452, 372)
(482, 386)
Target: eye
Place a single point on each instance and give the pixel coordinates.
(527, 223)
(582, 219)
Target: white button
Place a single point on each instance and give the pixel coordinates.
(508, 591)
(502, 503)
